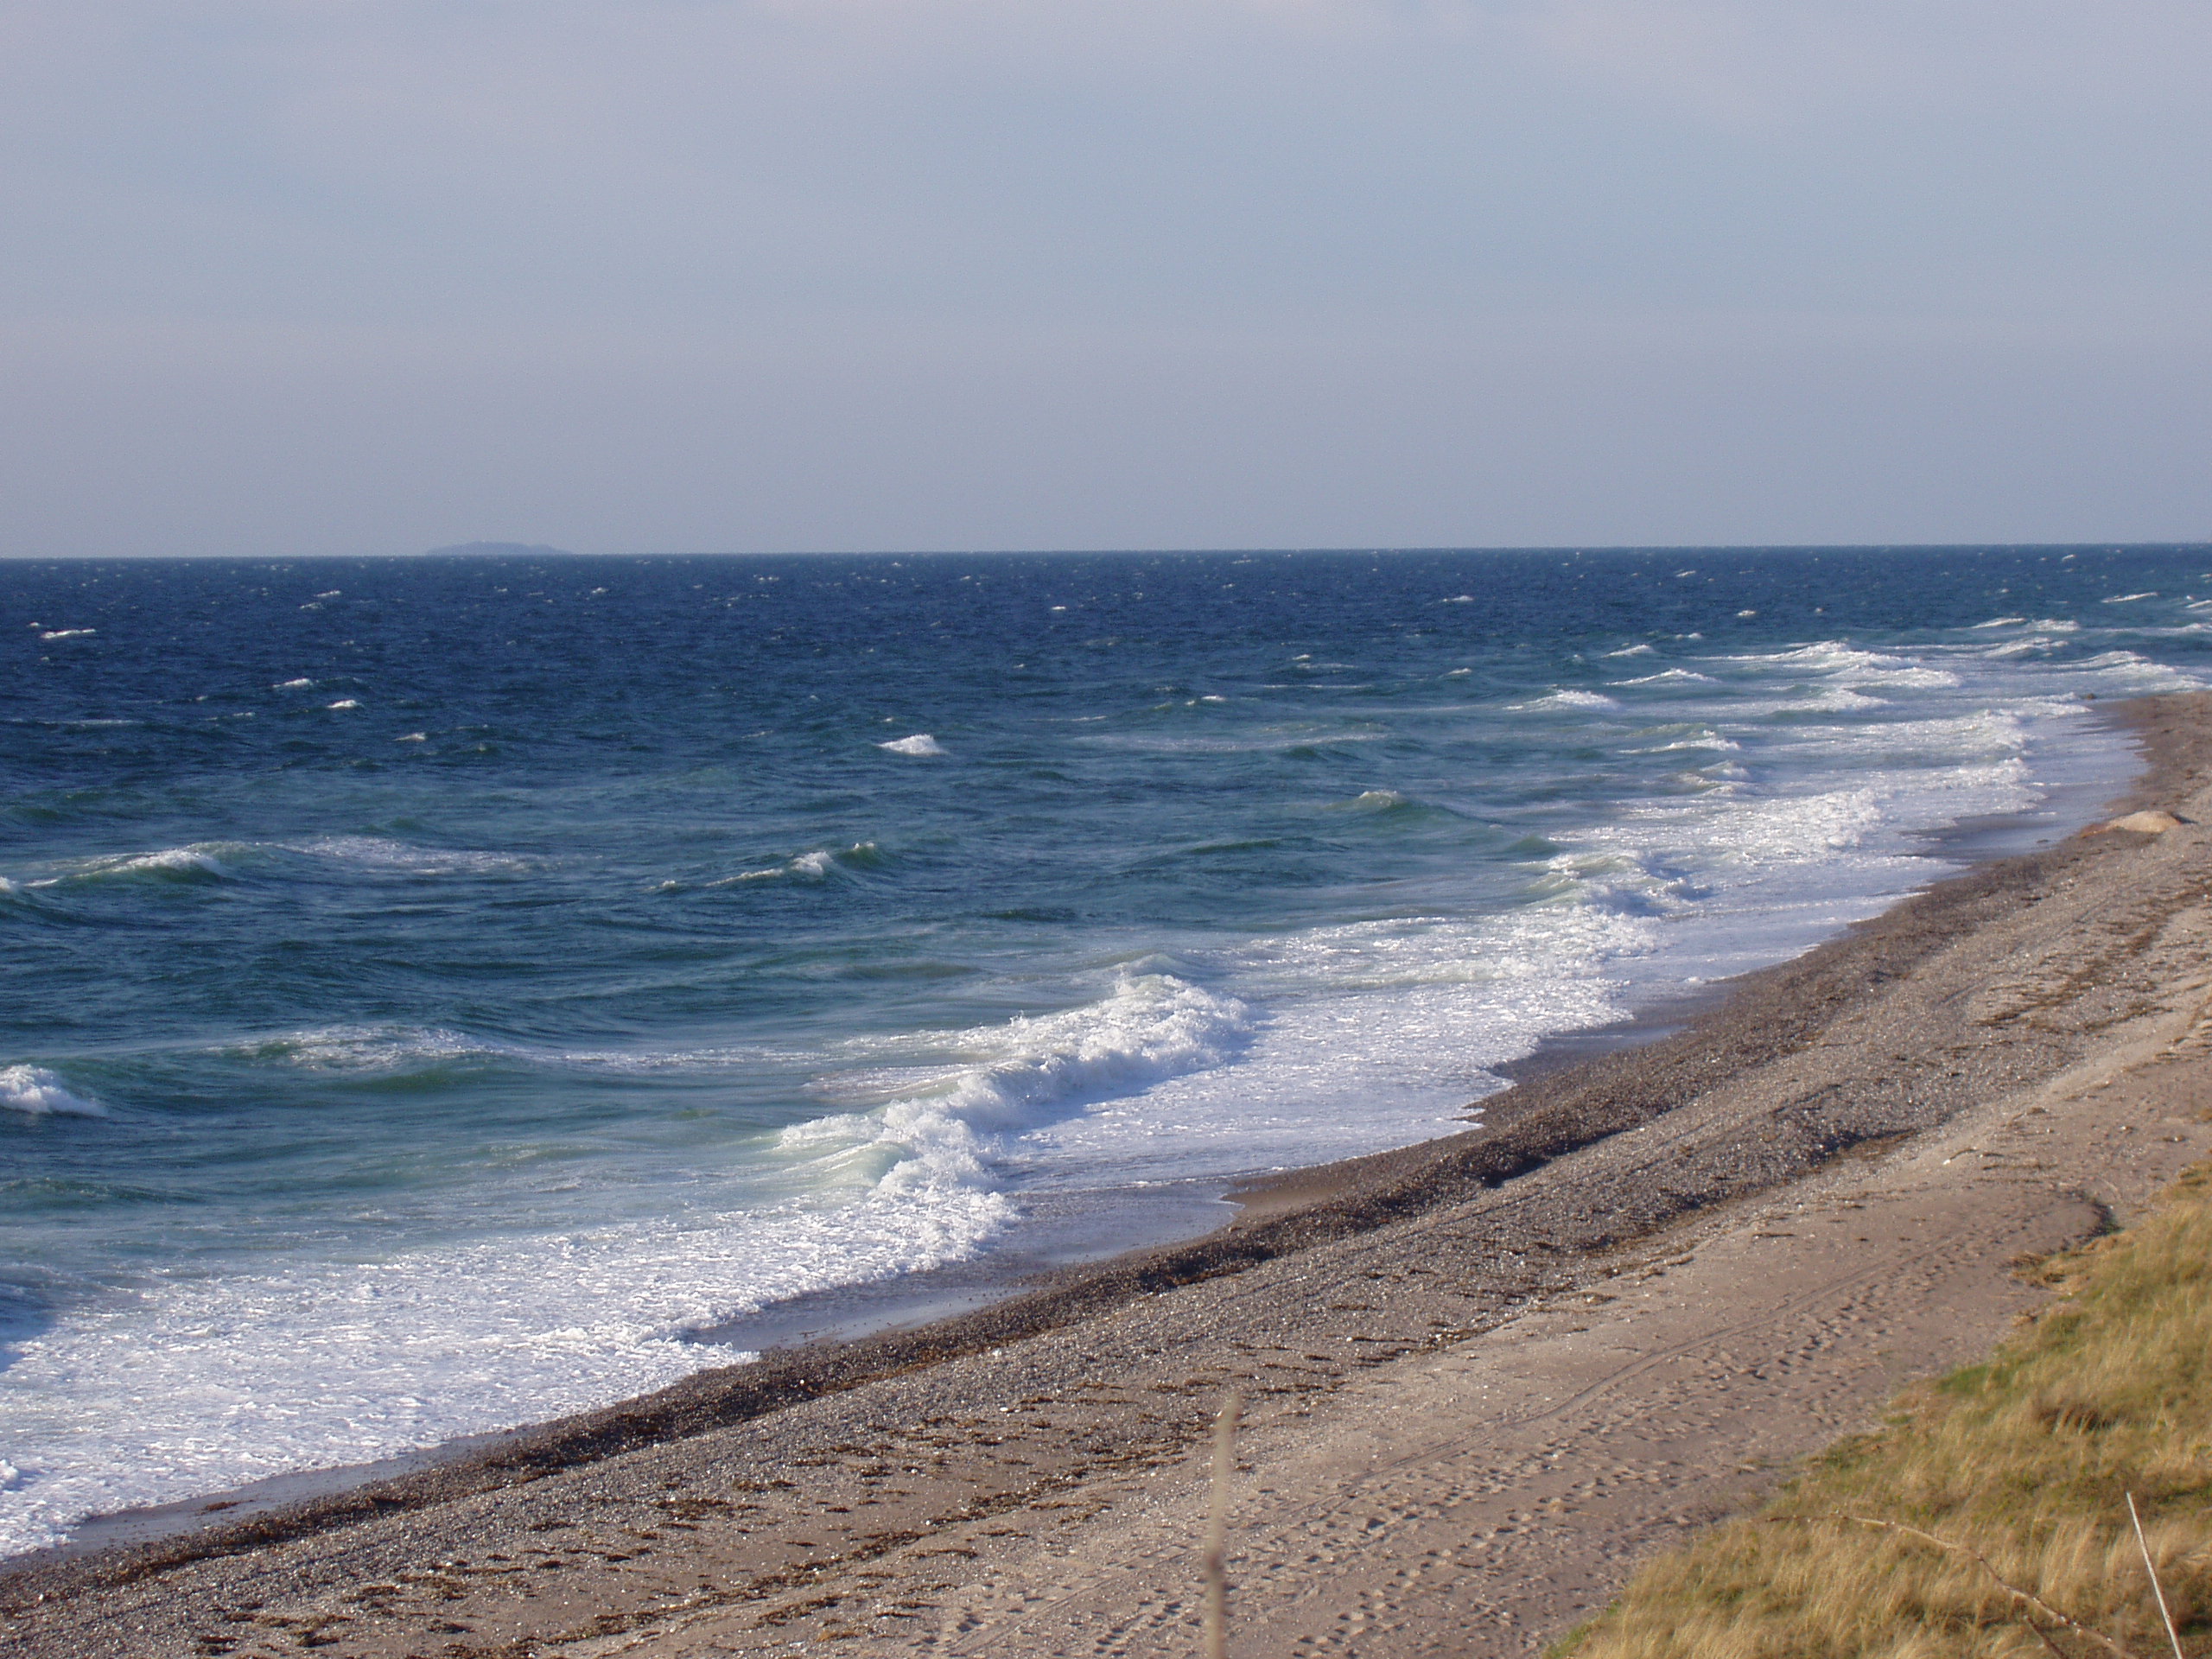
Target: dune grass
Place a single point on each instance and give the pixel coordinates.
(1990, 1514)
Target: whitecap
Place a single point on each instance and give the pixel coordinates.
(1000, 1079)
(814, 865)
(291, 685)
(36, 1092)
(920, 743)
(1567, 699)
(345, 703)
(2128, 599)
(203, 858)
(368, 1048)
(1632, 651)
(66, 633)
(1672, 676)
(381, 853)
(2003, 622)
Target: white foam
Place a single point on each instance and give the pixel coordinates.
(36, 1092)
(920, 743)
(2138, 673)
(317, 1364)
(291, 685)
(205, 857)
(2003, 622)
(1412, 1012)
(1671, 676)
(999, 1079)
(1631, 651)
(345, 703)
(817, 865)
(1252, 740)
(2128, 599)
(381, 853)
(321, 1363)
(1285, 1049)
(67, 633)
(1568, 698)
(368, 1048)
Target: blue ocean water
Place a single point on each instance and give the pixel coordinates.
(438, 991)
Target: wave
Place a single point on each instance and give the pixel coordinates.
(200, 861)
(920, 744)
(2138, 673)
(1567, 698)
(2033, 642)
(232, 860)
(36, 1092)
(1257, 741)
(328, 1363)
(817, 865)
(381, 853)
(1671, 676)
(370, 1048)
(1847, 666)
(1004, 1078)
(459, 1339)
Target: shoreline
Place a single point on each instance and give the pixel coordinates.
(1558, 1111)
(1104, 1233)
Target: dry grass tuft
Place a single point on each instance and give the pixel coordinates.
(1999, 1496)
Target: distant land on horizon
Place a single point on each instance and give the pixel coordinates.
(500, 550)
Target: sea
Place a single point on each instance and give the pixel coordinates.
(443, 994)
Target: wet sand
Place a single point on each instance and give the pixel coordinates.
(1483, 1373)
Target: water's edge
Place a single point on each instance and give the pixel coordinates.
(1067, 1241)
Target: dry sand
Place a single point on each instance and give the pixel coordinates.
(1483, 1374)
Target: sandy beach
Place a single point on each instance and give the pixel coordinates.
(1483, 1375)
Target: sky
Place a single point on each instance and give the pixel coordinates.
(365, 277)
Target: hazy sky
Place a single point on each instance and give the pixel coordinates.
(365, 275)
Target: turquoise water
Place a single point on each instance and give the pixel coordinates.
(439, 991)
